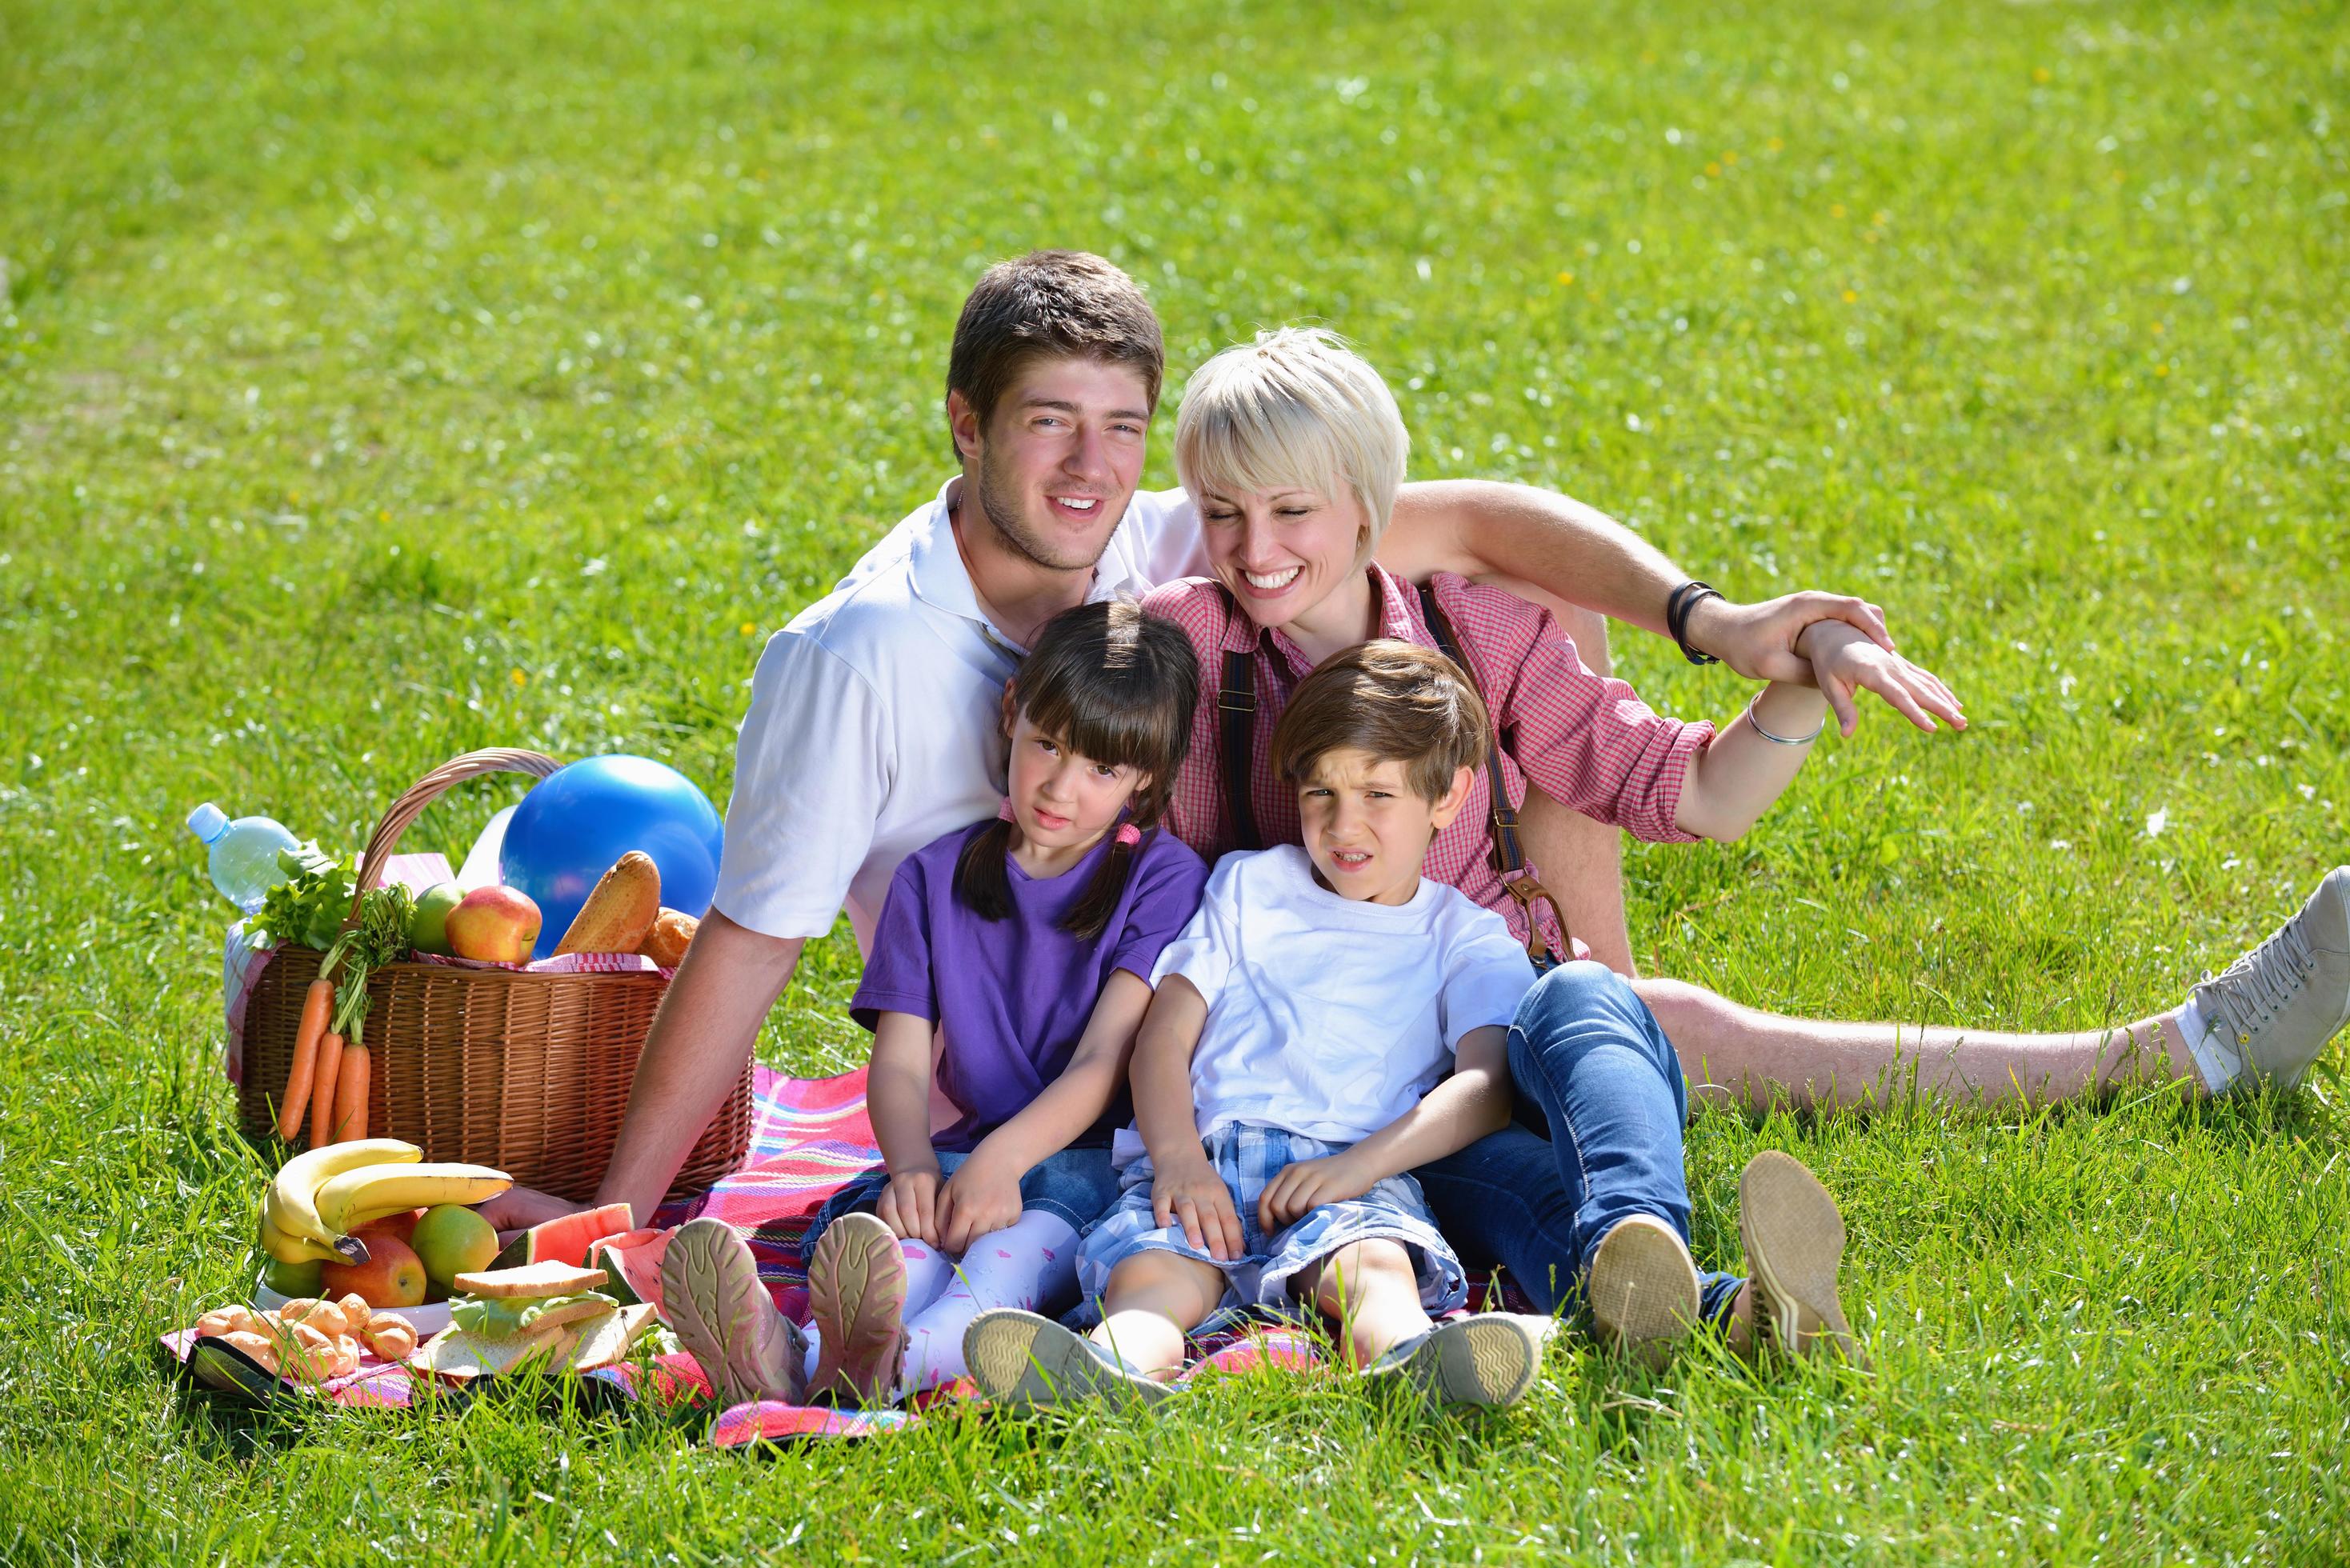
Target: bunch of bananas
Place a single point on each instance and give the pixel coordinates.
(318, 1199)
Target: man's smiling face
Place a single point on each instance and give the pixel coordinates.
(1059, 460)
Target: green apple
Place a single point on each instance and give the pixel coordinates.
(428, 928)
(291, 1278)
(453, 1239)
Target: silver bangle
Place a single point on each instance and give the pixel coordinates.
(1781, 739)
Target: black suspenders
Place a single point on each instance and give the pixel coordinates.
(1236, 714)
(1509, 858)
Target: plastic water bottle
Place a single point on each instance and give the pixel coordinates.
(244, 854)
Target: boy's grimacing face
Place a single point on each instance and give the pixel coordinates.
(1366, 829)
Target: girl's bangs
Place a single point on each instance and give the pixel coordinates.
(1116, 719)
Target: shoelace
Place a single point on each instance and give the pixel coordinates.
(2249, 990)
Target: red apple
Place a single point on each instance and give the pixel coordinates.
(399, 1227)
(393, 1275)
(499, 924)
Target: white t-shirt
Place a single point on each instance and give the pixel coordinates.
(872, 727)
(1331, 1016)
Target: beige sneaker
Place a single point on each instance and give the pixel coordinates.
(1644, 1290)
(1022, 1360)
(1794, 1249)
(2267, 1016)
(856, 1294)
(1487, 1358)
(711, 1296)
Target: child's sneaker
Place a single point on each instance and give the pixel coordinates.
(1644, 1290)
(1794, 1248)
(1486, 1358)
(2267, 1016)
(711, 1296)
(1020, 1359)
(856, 1294)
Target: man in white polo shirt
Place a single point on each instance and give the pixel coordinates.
(872, 727)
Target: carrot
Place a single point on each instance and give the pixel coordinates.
(322, 1090)
(315, 1002)
(351, 1094)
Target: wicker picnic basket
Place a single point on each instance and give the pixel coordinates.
(526, 1072)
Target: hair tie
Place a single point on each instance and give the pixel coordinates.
(1129, 834)
(1004, 812)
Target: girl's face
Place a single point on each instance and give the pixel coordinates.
(1064, 801)
(1282, 552)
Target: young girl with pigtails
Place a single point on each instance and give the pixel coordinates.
(1010, 971)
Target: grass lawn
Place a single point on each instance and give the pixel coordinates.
(378, 382)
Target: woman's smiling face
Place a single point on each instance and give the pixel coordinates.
(1282, 552)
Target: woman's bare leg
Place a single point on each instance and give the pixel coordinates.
(1762, 1058)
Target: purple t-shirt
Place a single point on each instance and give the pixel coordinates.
(1012, 996)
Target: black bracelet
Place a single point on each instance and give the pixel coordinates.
(1676, 613)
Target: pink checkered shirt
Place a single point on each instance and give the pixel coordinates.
(1587, 739)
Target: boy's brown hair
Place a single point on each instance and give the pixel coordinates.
(1396, 701)
(1062, 305)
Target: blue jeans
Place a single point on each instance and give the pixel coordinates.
(1597, 1140)
(1076, 1184)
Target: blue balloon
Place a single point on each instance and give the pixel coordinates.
(578, 820)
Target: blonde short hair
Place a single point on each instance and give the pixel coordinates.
(1297, 407)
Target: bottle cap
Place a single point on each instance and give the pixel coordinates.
(206, 821)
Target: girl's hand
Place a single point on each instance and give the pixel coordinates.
(1843, 662)
(1193, 1195)
(977, 1199)
(909, 1205)
(1300, 1188)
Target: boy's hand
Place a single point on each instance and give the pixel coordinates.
(1843, 662)
(977, 1199)
(909, 1205)
(1193, 1195)
(1300, 1188)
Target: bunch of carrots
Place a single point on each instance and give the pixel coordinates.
(332, 1069)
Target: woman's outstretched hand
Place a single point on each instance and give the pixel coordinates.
(1758, 640)
(1843, 662)
(517, 1208)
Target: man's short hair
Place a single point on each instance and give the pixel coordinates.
(1297, 407)
(1396, 701)
(1050, 305)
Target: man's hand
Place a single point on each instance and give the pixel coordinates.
(1193, 1195)
(977, 1199)
(1300, 1188)
(1758, 640)
(909, 1205)
(517, 1208)
(1843, 662)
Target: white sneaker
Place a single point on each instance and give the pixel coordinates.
(2267, 1016)
(1023, 1360)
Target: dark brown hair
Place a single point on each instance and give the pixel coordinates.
(1117, 685)
(1059, 305)
(1396, 701)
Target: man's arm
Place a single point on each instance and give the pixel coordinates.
(1517, 534)
(701, 1037)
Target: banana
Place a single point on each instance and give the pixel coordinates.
(353, 1198)
(288, 1249)
(293, 1193)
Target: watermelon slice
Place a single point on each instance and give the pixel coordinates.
(633, 1260)
(565, 1241)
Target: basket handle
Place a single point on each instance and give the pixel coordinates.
(423, 793)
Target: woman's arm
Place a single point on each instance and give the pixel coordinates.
(983, 1194)
(1484, 528)
(897, 1103)
(1735, 779)
(1474, 1101)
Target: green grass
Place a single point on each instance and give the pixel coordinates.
(379, 382)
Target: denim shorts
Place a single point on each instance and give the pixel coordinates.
(1248, 1158)
(1076, 1184)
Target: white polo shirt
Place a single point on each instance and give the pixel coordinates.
(872, 728)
